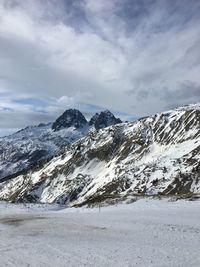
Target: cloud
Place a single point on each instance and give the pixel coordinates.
(183, 93)
(134, 57)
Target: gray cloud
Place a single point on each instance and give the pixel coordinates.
(133, 56)
(183, 93)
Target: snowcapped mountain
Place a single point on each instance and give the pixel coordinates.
(29, 146)
(70, 118)
(156, 155)
(103, 120)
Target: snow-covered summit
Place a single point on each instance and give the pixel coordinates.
(195, 106)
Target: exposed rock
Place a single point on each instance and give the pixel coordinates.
(70, 118)
(104, 119)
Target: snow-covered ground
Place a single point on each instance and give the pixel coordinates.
(144, 233)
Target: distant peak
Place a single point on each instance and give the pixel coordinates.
(104, 119)
(70, 118)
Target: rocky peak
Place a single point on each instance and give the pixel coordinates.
(104, 119)
(71, 117)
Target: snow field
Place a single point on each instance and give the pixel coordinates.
(144, 233)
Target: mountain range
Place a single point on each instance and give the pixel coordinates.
(34, 144)
(157, 155)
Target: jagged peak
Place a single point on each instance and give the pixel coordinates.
(103, 119)
(71, 117)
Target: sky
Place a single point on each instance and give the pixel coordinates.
(133, 57)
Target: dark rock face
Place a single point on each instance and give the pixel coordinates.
(93, 119)
(104, 119)
(70, 117)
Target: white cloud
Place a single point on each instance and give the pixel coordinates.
(107, 55)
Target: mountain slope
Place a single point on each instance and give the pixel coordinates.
(155, 155)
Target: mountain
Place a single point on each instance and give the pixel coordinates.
(156, 155)
(34, 144)
(70, 118)
(103, 120)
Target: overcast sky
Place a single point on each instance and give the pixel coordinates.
(134, 57)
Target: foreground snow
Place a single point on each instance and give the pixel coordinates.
(145, 233)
